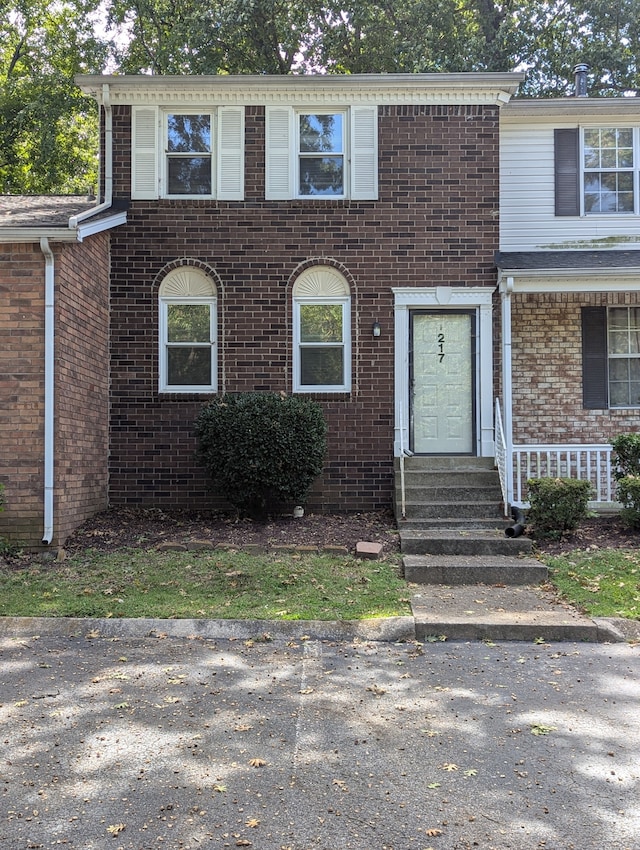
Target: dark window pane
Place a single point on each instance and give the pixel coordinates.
(321, 175)
(189, 133)
(189, 367)
(321, 323)
(190, 175)
(321, 367)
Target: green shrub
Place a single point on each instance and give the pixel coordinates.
(626, 455)
(626, 471)
(558, 505)
(264, 450)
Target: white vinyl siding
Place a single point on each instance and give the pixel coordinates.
(149, 161)
(361, 155)
(527, 210)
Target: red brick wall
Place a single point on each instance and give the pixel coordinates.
(434, 224)
(547, 371)
(82, 383)
(21, 390)
(81, 388)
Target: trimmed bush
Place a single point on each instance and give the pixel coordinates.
(629, 497)
(626, 455)
(558, 505)
(264, 450)
(626, 471)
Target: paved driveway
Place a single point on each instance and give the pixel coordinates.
(166, 742)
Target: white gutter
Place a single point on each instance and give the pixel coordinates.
(49, 387)
(506, 289)
(108, 164)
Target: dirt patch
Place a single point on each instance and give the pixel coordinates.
(149, 528)
(602, 532)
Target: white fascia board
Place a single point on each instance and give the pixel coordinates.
(575, 110)
(62, 234)
(35, 234)
(472, 88)
(569, 280)
(90, 226)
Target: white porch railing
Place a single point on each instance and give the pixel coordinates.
(591, 462)
(584, 462)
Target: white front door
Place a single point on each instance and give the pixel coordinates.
(442, 388)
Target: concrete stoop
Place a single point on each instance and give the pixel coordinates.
(517, 612)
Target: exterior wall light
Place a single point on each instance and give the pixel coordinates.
(376, 330)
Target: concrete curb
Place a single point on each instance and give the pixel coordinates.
(383, 629)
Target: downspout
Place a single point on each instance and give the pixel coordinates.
(49, 387)
(507, 383)
(108, 164)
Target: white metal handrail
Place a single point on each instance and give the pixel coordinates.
(500, 449)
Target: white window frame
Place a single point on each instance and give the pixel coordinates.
(184, 286)
(300, 155)
(345, 344)
(360, 157)
(635, 169)
(626, 356)
(150, 155)
(167, 155)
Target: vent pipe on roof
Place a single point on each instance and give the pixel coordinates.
(580, 72)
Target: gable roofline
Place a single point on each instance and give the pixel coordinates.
(463, 88)
(57, 218)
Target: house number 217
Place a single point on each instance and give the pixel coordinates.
(440, 347)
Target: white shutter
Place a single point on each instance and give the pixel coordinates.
(230, 178)
(279, 156)
(144, 154)
(364, 153)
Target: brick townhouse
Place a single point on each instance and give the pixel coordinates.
(336, 236)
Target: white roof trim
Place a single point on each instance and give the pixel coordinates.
(569, 280)
(471, 88)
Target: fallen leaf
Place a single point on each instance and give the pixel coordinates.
(257, 762)
(432, 833)
(377, 690)
(252, 823)
(539, 729)
(449, 766)
(220, 788)
(242, 727)
(116, 829)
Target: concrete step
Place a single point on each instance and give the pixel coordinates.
(450, 478)
(477, 612)
(464, 540)
(446, 462)
(440, 510)
(473, 569)
(465, 491)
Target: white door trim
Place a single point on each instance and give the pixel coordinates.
(479, 298)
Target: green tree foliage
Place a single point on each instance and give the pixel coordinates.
(48, 129)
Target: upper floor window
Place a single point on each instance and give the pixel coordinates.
(185, 154)
(609, 171)
(321, 331)
(321, 154)
(189, 154)
(188, 324)
(312, 153)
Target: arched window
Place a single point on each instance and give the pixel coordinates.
(188, 331)
(321, 331)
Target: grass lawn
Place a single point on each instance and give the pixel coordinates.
(602, 583)
(215, 584)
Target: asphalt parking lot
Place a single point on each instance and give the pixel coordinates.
(122, 743)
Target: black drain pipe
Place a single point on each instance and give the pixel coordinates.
(519, 519)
